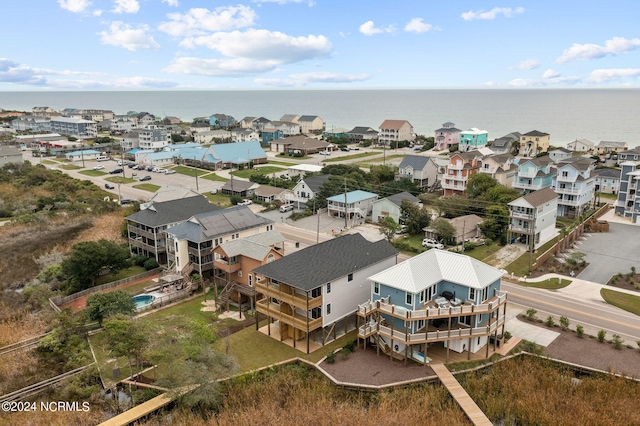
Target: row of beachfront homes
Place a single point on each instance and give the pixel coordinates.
(316, 294)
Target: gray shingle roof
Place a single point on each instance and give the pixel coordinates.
(608, 173)
(325, 262)
(167, 212)
(315, 182)
(255, 246)
(362, 130)
(415, 161)
(307, 118)
(207, 226)
(536, 133)
(397, 198)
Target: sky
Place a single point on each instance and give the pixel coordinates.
(316, 44)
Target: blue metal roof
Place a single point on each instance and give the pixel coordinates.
(353, 196)
(242, 152)
(85, 152)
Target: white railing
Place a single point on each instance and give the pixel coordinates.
(527, 185)
(559, 190)
(523, 215)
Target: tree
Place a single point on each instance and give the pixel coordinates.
(398, 186)
(454, 206)
(235, 199)
(126, 337)
(382, 173)
(496, 222)
(479, 184)
(104, 305)
(88, 258)
(175, 137)
(416, 218)
(388, 227)
(443, 229)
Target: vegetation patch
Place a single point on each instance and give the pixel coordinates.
(520, 266)
(246, 173)
(147, 187)
(218, 199)
(92, 173)
(628, 302)
(351, 157)
(131, 271)
(215, 177)
(282, 163)
(120, 179)
(550, 284)
(69, 167)
(190, 171)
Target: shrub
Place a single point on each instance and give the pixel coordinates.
(150, 264)
(550, 322)
(638, 343)
(531, 314)
(345, 353)
(617, 341)
(366, 143)
(507, 336)
(580, 330)
(235, 199)
(139, 259)
(350, 345)
(331, 357)
(601, 335)
(564, 322)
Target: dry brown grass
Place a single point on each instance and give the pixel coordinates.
(299, 395)
(94, 416)
(534, 391)
(21, 324)
(106, 226)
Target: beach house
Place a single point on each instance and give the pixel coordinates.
(533, 217)
(473, 138)
(533, 143)
(534, 174)
(446, 136)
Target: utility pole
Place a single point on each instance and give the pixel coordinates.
(345, 203)
(82, 152)
(318, 224)
(532, 238)
(196, 173)
(464, 223)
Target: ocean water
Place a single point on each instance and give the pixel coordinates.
(566, 114)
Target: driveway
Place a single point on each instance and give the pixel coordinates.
(610, 253)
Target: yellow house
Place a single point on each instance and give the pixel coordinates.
(534, 143)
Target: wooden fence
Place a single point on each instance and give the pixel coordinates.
(63, 300)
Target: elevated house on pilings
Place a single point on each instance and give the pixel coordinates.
(311, 295)
(435, 298)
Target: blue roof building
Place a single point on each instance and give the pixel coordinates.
(359, 204)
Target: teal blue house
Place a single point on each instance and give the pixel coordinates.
(271, 135)
(534, 174)
(473, 138)
(436, 298)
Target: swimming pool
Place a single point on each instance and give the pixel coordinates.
(142, 300)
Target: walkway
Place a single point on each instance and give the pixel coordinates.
(461, 396)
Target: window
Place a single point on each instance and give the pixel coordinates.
(350, 277)
(485, 291)
(316, 313)
(328, 308)
(316, 292)
(409, 298)
(376, 288)
(328, 288)
(239, 272)
(422, 296)
(472, 294)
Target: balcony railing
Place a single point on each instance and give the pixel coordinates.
(520, 229)
(290, 299)
(139, 231)
(534, 186)
(296, 320)
(560, 190)
(454, 186)
(138, 243)
(520, 215)
(227, 266)
(459, 165)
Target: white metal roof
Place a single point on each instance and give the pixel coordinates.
(433, 266)
(306, 168)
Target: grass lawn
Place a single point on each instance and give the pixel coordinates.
(92, 173)
(190, 308)
(608, 196)
(304, 157)
(261, 170)
(213, 176)
(147, 187)
(520, 266)
(120, 179)
(282, 163)
(387, 158)
(190, 171)
(138, 288)
(103, 354)
(49, 162)
(243, 344)
(69, 167)
(121, 274)
(628, 302)
(218, 199)
(351, 157)
(482, 252)
(550, 284)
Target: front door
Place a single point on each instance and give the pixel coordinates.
(250, 280)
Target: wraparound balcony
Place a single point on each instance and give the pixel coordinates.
(532, 186)
(291, 299)
(296, 320)
(225, 265)
(520, 215)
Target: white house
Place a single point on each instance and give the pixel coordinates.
(560, 154)
(534, 216)
(581, 145)
(575, 187)
(395, 130)
(423, 171)
(307, 188)
(244, 135)
(87, 154)
(312, 294)
(212, 136)
(391, 206)
(359, 204)
(606, 181)
(154, 137)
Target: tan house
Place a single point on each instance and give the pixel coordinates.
(466, 228)
(301, 144)
(500, 167)
(395, 130)
(310, 123)
(461, 167)
(534, 143)
(608, 147)
(235, 260)
(272, 193)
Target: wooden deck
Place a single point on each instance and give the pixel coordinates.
(461, 396)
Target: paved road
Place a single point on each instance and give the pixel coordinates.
(593, 315)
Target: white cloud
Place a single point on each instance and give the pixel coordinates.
(529, 64)
(304, 79)
(607, 75)
(550, 74)
(417, 26)
(173, 3)
(264, 45)
(232, 67)
(198, 21)
(584, 52)
(369, 29)
(97, 12)
(75, 6)
(126, 6)
(13, 72)
(128, 37)
(492, 14)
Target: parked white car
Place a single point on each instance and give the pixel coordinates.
(98, 167)
(245, 203)
(325, 153)
(429, 242)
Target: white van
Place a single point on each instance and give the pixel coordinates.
(102, 158)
